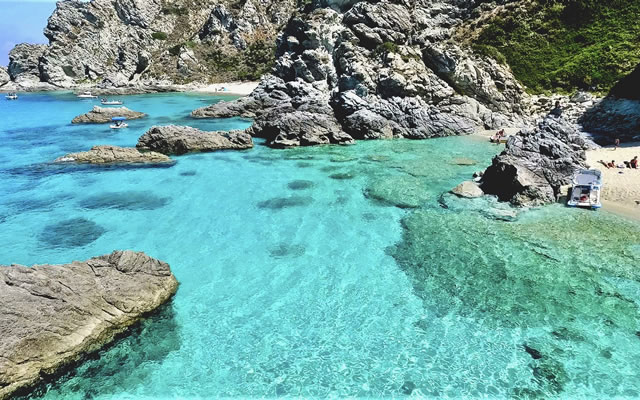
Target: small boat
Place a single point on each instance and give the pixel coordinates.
(106, 102)
(499, 139)
(86, 95)
(118, 123)
(11, 96)
(586, 189)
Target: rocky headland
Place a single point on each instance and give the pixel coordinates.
(178, 140)
(102, 115)
(53, 315)
(142, 43)
(103, 155)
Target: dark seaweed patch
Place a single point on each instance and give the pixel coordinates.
(287, 250)
(279, 203)
(75, 232)
(188, 173)
(132, 200)
(341, 176)
(300, 185)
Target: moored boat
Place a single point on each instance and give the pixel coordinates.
(118, 123)
(106, 102)
(586, 188)
(11, 96)
(86, 95)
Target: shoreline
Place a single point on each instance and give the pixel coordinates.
(231, 89)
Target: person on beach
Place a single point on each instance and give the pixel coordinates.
(617, 144)
(634, 162)
(612, 164)
(557, 110)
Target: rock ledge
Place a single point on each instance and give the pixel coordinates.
(102, 115)
(114, 155)
(172, 139)
(52, 315)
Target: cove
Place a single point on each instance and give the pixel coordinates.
(326, 271)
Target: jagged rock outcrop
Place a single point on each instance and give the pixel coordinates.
(4, 76)
(173, 139)
(379, 70)
(119, 43)
(24, 64)
(114, 155)
(53, 315)
(536, 163)
(102, 115)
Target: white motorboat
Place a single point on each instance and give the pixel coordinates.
(86, 95)
(106, 102)
(118, 123)
(11, 96)
(586, 189)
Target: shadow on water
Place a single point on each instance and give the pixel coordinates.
(125, 363)
(70, 233)
(129, 200)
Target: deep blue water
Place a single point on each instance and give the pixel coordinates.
(299, 276)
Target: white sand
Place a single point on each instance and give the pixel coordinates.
(232, 88)
(621, 191)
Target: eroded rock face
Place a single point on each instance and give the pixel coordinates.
(54, 315)
(24, 61)
(4, 76)
(114, 155)
(614, 118)
(173, 139)
(536, 163)
(102, 115)
(385, 69)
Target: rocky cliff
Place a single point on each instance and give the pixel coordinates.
(358, 70)
(53, 315)
(125, 42)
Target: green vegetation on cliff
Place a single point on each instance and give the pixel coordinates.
(566, 44)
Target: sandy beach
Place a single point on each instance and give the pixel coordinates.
(621, 191)
(232, 88)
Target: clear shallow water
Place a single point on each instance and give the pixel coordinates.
(298, 278)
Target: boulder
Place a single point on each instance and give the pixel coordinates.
(102, 115)
(24, 61)
(536, 163)
(173, 139)
(114, 155)
(53, 315)
(468, 189)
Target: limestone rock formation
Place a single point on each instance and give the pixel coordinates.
(102, 115)
(52, 316)
(24, 61)
(468, 189)
(173, 139)
(378, 70)
(536, 163)
(114, 155)
(613, 118)
(4, 76)
(119, 43)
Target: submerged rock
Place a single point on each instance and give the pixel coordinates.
(172, 139)
(114, 155)
(52, 316)
(400, 191)
(536, 163)
(102, 115)
(468, 189)
(70, 233)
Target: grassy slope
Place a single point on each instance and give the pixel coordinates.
(563, 45)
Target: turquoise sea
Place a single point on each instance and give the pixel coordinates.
(324, 272)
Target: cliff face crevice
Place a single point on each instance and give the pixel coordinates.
(147, 42)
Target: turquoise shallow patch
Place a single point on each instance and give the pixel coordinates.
(294, 282)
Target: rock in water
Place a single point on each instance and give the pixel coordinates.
(114, 155)
(101, 115)
(468, 189)
(536, 163)
(52, 316)
(174, 139)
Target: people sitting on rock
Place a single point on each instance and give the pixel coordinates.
(557, 110)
